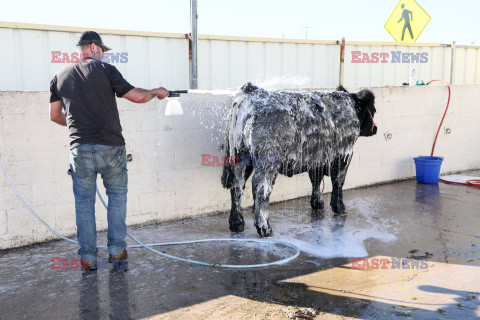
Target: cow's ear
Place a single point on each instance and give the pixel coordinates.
(366, 99)
(249, 87)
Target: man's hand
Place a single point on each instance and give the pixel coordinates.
(162, 93)
(139, 95)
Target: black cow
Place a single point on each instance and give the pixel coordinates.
(291, 132)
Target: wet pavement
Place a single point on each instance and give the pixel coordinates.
(419, 246)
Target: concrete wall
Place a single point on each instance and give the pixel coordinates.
(166, 179)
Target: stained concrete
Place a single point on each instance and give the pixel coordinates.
(435, 226)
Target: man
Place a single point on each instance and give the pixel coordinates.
(83, 98)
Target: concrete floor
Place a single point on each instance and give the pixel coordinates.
(434, 225)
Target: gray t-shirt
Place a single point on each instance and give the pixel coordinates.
(87, 91)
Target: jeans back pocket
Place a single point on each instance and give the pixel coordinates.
(116, 166)
(77, 166)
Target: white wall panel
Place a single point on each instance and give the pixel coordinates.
(256, 61)
(282, 65)
(8, 65)
(390, 73)
(220, 64)
(227, 62)
(290, 61)
(471, 70)
(326, 64)
(28, 62)
(238, 63)
(274, 60)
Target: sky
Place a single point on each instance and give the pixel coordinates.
(356, 20)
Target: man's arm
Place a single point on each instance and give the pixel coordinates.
(56, 113)
(139, 95)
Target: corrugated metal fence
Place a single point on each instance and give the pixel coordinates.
(32, 54)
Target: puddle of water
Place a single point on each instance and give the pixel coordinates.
(340, 236)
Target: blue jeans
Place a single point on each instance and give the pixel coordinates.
(110, 162)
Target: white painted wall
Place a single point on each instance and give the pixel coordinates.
(166, 179)
(156, 59)
(29, 62)
(380, 74)
(230, 64)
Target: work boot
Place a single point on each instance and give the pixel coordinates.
(87, 265)
(119, 261)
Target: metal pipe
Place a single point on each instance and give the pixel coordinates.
(194, 61)
(342, 62)
(452, 63)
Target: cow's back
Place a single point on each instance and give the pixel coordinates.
(300, 128)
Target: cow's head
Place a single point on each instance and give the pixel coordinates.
(365, 108)
(365, 105)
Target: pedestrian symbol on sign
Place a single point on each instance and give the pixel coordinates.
(406, 14)
(402, 20)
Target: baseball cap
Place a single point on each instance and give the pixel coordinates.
(89, 37)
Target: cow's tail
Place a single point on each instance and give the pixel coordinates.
(231, 160)
(228, 176)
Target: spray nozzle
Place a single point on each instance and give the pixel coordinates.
(173, 106)
(176, 93)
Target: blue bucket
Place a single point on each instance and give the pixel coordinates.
(428, 169)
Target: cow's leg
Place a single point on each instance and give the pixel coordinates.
(316, 177)
(262, 185)
(241, 174)
(338, 173)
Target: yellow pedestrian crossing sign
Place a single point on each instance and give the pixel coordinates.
(407, 21)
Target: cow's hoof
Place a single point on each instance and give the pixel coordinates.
(338, 208)
(318, 214)
(265, 232)
(317, 204)
(237, 227)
